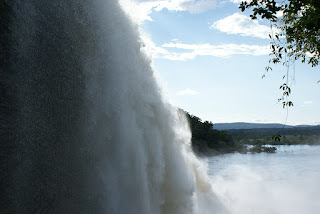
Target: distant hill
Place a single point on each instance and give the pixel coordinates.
(242, 125)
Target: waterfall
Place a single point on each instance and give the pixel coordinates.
(84, 126)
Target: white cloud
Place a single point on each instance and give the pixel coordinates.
(150, 48)
(187, 91)
(238, 1)
(263, 121)
(191, 51)
(242, 25)
(193, 6)
(140, 10)
(309, 102)
(178, 51)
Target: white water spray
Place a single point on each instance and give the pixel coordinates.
(88, 130)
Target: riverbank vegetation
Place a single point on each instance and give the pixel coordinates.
(289, 136)
(209, 141)
(206, 140)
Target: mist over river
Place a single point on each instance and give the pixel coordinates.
(286, 182)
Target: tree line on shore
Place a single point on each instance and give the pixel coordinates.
(289, 136)
(208, 141)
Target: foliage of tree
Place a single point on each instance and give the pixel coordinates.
(299, 24)
(296, 33)
(204, 137)
(206, 140)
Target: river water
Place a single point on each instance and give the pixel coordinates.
(286, 182)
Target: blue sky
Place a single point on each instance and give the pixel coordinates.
(209, 58)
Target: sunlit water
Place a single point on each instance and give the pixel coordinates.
(287, 182)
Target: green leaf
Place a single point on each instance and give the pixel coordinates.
(276, 137)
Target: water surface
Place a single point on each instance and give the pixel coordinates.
(287, 181)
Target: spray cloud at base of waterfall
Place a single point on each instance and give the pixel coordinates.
(85, 127)
(284, 182)
(244, 190)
